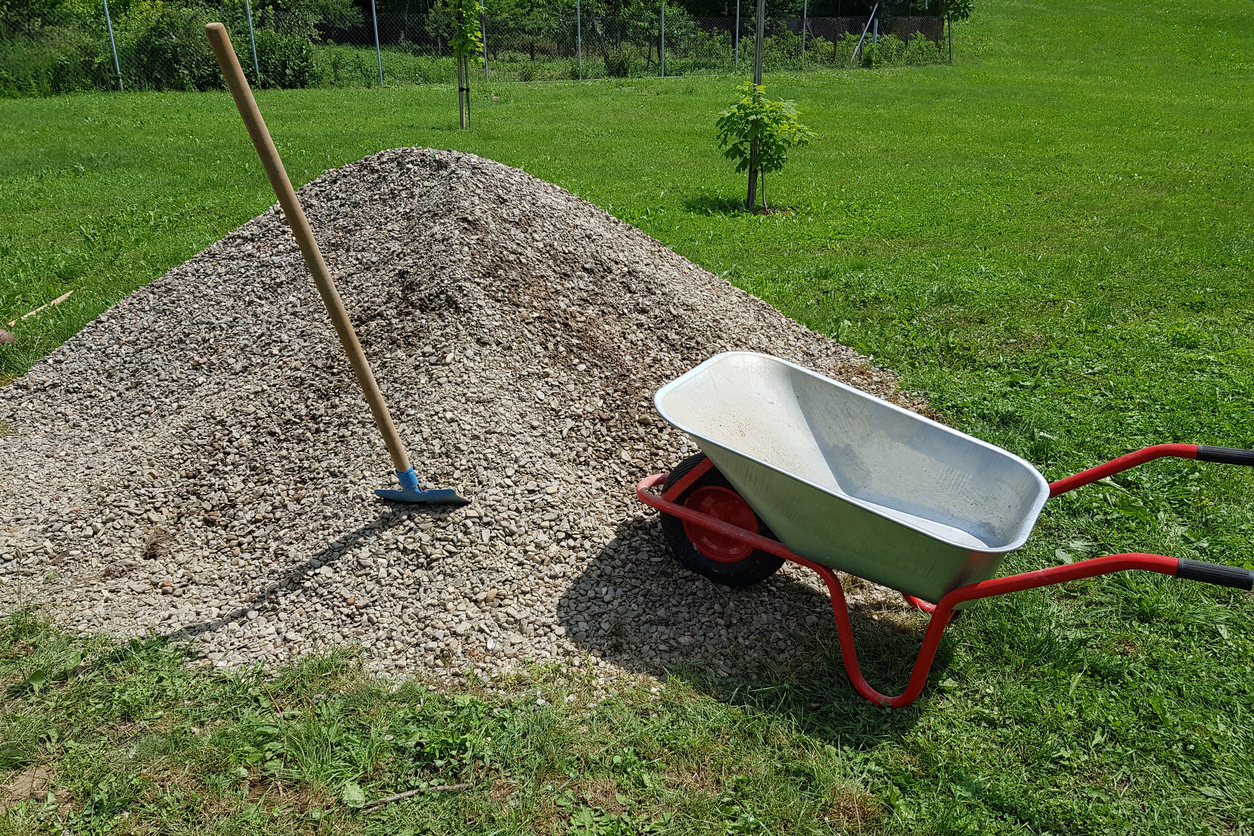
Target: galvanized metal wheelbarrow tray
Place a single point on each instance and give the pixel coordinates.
(847, 481)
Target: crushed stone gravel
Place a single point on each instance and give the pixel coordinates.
(198, 462)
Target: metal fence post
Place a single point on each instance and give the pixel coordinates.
(116, 64)
(248, 8)
(805, 6)
(751, 201)
(377, 51)
(736, 37)
(663, 51)
(757, 45)
(579, 38)
(865, 29)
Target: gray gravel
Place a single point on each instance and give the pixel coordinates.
(198, 462)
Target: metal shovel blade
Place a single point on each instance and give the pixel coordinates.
(411, 493)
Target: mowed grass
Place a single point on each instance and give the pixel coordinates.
(1051, 240)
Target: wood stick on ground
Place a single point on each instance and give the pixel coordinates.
(379, 802)
(56, 301)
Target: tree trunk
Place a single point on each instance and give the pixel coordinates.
(461, 90)
(605, 53)
(751, 203)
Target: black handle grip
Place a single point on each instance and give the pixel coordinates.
(1216, 573)
(1225, 455)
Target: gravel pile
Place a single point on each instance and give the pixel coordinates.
(198, 462)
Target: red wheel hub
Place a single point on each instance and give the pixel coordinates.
(726, 505)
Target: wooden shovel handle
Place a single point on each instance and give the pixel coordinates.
(282, 186)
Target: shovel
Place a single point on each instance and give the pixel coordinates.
(411, 491)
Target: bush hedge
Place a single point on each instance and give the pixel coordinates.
(63, 48)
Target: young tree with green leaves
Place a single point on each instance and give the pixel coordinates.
(467, 44)
(773, 125)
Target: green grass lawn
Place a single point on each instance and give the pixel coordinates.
(1051, 240)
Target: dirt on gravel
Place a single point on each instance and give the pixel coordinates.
(199, 463)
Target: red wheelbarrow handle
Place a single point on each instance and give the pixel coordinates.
(1214, 573)
(1201, 452)
(1197, 570)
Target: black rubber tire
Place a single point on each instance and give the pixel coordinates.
(756, 567)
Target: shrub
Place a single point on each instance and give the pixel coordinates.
(922, 50)
(303, 17)
(427, 70)
(843, 52)
(705, 48)
(818, 50)
(782, 48)
(617, 66)
(888, 52)
(172, 53)
(53, 62)
(286, 61)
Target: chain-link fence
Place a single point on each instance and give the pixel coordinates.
(168, 50)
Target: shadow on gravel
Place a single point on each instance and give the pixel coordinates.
(773, 646)
(389, 516)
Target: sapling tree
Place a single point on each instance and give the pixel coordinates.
(757, 132)
(467, 45)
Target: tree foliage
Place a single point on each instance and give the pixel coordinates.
(466, 39)
(775, 124)
(959, 9)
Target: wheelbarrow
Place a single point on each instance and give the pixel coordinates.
(796, 466)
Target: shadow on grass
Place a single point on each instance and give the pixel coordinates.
(772, 646)
(712, 204)
(728, 206)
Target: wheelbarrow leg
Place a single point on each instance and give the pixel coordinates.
(943, 613)
(849, 652)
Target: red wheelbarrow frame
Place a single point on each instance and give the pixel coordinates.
(942, 612)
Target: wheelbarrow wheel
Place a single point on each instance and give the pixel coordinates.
(722, 559)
